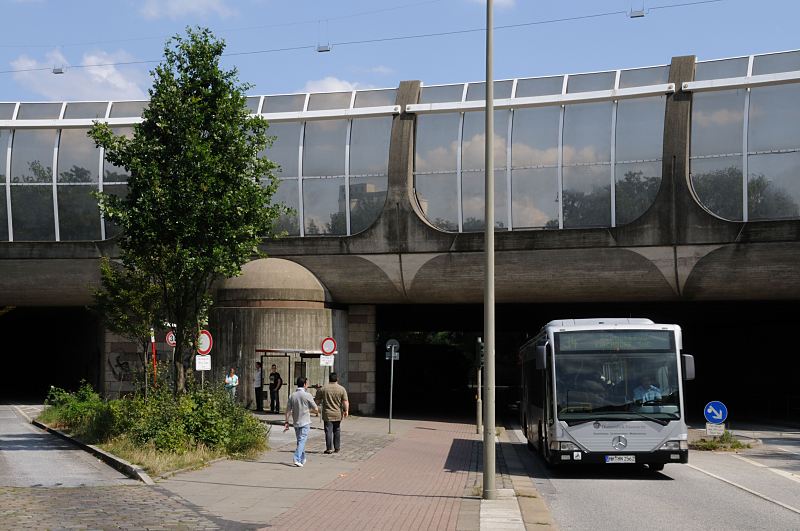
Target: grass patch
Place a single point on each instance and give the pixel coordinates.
(159, 431)
(156, 462)
(726, 443)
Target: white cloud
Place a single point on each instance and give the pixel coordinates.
(98, 83)
(380, 69)
(502, 4)
(333, 84)
(179, 8)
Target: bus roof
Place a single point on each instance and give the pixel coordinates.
(601, 321)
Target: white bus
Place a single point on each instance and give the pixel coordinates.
(606, 391)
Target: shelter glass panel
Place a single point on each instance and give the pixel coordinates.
(287, 194)
(252, 104)
(717, 121)
(5, 137)
(369, 145)
(367, 197)
(473, 148)
(32, 211)
(776, 62)
(736, 67)
(773, 186)
(32, 156)
(7, 111)
(440, 94)
(640, 129)
(473, 187)
(534, 198)
(78, 158)
(436, 194)
(112, 173)
(121, 191)
(636, 188)
(717, 182)
(78, 213)
(39, 111)
(477, 91)
(534, 138)
(539, 86)
(591, 82)
(375, 98)
(587, 133)
(285, 103)
(126, 109)
(436, 143)
(324, 206)
(3, 215)
(89, 109)
(587, 196)
(285, 149)
(330, 100)
(323, 147)
(774, 118)
(641, 77)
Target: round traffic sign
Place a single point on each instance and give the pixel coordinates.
(328, 346)
(171, 338)
(715, 412)
(204, 342)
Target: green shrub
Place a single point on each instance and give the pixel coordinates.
(198, 418)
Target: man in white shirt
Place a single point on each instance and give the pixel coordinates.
(300, 406)
(258, 383)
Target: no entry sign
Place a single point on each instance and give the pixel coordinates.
(328, 346)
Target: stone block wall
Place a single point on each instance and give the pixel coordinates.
(361, 363)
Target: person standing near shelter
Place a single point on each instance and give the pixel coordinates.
(258, 383)
(275, 384)
(300, 406)
(332, 400)
(231, 383)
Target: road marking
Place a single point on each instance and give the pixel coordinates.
(788, 451)
(787, 475)
(750, 491)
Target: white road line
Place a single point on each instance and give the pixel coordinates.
(787, 451)
(742, 487)
(783, 473)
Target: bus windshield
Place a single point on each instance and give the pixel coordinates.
(619, 383)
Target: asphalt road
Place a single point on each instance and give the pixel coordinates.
(30, 457)
(755, 489)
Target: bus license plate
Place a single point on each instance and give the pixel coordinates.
(620, 459)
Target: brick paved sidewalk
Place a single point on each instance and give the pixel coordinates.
(418, 481)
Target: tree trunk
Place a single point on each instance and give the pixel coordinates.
(179, 385)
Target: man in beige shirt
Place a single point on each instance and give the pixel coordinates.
(332, 401)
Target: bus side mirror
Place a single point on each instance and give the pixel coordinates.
(541, 357)
(688, 367)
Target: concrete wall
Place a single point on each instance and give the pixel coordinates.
(361, 385)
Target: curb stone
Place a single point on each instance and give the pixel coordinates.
(117, 463)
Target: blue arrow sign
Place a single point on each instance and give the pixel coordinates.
(715, 412)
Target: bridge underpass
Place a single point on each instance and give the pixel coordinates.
(743, 355)
(48, 346)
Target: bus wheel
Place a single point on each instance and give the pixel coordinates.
(655, 467)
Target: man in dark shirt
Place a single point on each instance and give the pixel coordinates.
(275, 384)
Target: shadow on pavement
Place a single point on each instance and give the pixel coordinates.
(34, 442)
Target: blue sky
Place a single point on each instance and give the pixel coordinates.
(47, 33)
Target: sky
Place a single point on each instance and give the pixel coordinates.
(273, 43)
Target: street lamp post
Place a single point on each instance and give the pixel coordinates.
(489, 490)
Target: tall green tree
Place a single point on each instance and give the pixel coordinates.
(199, 194)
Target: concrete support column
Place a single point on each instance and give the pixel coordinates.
(361, 346)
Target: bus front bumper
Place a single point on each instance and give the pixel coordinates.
(608, 458)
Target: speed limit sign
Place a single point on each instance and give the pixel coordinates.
(171, 338)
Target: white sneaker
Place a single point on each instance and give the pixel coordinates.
(297, 463)
(303, 462)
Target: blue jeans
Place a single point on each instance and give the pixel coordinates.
(302, 435)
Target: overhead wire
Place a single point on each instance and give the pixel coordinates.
(384, 39)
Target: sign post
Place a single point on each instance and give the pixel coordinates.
(479, 413)
(716, 413)
(328, 348)
(202, 362)
(153, 343)
(392, 353)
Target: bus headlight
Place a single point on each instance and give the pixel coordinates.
(568, 447)
(675, 445)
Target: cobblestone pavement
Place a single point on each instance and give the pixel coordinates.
(416, 482)
(134, 507)
(356, 446)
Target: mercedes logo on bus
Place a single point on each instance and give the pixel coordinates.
(619, 442)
